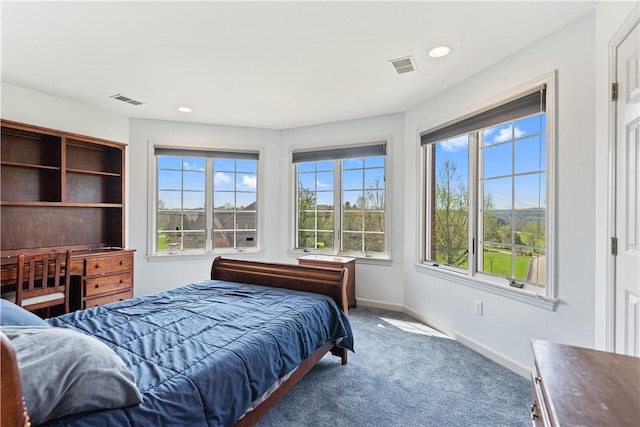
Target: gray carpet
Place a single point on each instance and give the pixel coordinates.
(399, 378)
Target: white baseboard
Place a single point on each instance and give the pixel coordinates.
(499, 358)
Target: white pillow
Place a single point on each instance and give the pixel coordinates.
(65, 372)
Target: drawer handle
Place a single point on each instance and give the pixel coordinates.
(98, 286)
(121, 281)
(98, 265)
(122, 263)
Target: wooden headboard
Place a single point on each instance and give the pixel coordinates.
(327, 281)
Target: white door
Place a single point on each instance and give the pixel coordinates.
(627, 196)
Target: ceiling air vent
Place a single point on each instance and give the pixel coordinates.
(403, 65)
(126, 99)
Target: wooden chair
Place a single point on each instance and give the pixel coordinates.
(42, 280)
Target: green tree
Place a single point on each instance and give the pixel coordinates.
(451, 216)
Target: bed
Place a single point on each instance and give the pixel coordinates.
(219, 352)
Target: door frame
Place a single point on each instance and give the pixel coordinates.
(621, 34)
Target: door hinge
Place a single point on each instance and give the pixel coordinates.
(614, 246)
(614, 91)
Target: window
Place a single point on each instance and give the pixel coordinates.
(341, 200)
(206, 200)
(487, 181)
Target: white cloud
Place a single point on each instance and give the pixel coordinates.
(191, 167)
(249, 181)
(505, 134)
(321, 184)
(454, 144)
(221, 178)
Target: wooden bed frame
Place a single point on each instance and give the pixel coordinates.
(326, 281)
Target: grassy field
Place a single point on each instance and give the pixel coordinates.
(499, 263)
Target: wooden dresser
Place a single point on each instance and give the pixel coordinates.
(330, 261)
(574, 386)
(108, 277)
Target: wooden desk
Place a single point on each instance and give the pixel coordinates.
(99, 276)
(330, 261)
(573, 386)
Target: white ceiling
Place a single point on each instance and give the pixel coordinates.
(262, 64)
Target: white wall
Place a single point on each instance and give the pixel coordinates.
(37, 108)
(507, 325)
(162, 273)
(379, 283)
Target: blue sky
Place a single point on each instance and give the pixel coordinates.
(499, 159)
(234, 182)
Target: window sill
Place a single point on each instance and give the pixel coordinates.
(372, 260)
(521, 295)
(187, 255)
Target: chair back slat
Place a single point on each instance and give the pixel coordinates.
(41, 275)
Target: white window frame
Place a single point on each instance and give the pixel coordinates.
(337, 199)
(152, 198)
(471, 276)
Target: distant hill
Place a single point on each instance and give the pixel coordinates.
(521, 215)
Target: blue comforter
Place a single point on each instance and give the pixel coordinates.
(203, 352)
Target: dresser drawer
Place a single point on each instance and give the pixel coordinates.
(109, 264)
(107, 299)
(107, 284)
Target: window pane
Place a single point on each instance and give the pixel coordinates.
(496, 160)
(373, 243)
(352, 242)
(352, 179)
(352, 221)
(250, 166)
(496, 260)
(245, 220)
(324, 181)
(325, 220)
(246, 201)
(450, 199)
(193, 164)
(374, 162)
(496, 193)
(374, 178)
(307, 221)
(193, 181)
(224, 165)
(246, 182)
(193, 220)
(193, 240)
(307, 239)
(246, 239)
(307, 181)
(530, 155)
(169, 220)
(352, 164)
(530, 191)
(169, 200)
(223, 181)
(353, 199)
(169, 162)
(193, 200)
(498, 134)
(374, 221)
(374, 199)
(223, 200)
(169, 180)
(325, 241)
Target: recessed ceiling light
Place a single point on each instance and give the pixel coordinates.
(184, 109)
(440, 51)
